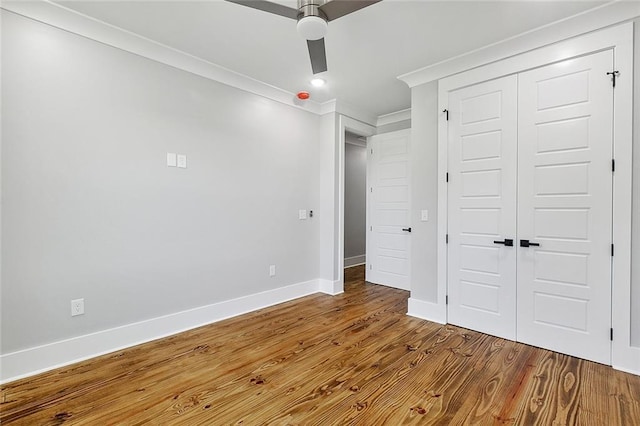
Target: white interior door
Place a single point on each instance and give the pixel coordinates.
(482, 207)
(389, 226)
(565, 205)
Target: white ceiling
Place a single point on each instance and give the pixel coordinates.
(366, 50)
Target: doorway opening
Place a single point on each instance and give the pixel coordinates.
(355, 206)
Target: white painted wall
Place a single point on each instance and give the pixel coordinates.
(355, 200)
(90, 210)
(327, 209)
(635, 226)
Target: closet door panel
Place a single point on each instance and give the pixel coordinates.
(482, 200)
(564, 205)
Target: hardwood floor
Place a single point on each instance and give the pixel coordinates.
(355, 359)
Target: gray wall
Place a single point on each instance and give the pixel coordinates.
(424, 191)
(355, 200)
(90, 210)
(424, 114)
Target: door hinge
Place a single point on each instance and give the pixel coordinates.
(447, 176)
(371, 151)
(614, 75)
(370, 228)
(370, 266)
(613, 165)
(446, 112)
(611, 334)
(371, 189)
(446, 238)
(446, 300)
(611, 250)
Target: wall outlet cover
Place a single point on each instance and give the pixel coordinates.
(302, 214)
(424, 215)
(77, 307)
(272, 270)
(182, 161)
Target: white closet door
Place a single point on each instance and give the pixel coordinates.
(565, 198)
(482, 207)
(388, 241)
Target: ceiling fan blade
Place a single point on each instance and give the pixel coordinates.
(317, 55)
(335, 9)
(267, 6)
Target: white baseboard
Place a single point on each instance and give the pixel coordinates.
(626, 358)
(24, 363)
(427, 310)
(436, 313)
(626, 370)
(331, 287)
(355, 261)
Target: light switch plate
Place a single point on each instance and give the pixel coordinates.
(171, 159)
(424, 215)
(182, 161)
(302, 214)
(272, 270)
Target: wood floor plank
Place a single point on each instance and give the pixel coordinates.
(355, 358)
(348, 378)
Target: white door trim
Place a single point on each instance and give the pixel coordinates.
(620, 38)
(354, 126)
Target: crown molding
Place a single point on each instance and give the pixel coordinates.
(69, 20)
(58, 16)
(597, 18)
(394, 117)
(328, 107)
(348, 110)
(74, 22)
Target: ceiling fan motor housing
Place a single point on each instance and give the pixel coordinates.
(312, 22)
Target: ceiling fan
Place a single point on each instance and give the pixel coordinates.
(313, 17)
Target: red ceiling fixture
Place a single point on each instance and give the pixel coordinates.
(303, 95)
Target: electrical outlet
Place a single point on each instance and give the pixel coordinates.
(302, 214)
(182, 161)
(424, 215)
(272, 270)
(77, 307)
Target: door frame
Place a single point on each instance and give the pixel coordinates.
(620, 39)
(346, 123)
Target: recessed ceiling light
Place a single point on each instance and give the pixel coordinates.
(318, 82)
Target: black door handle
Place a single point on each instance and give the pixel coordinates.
(527, 243)
(507, 242)
(406, 229)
